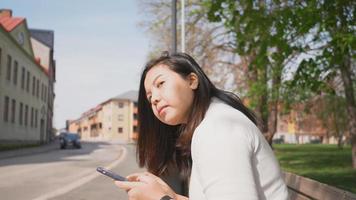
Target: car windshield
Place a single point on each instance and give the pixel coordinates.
(72, 136)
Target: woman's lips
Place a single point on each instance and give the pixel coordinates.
(161, 110)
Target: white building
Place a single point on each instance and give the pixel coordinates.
(24, 85)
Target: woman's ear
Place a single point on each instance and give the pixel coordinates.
(193, 81)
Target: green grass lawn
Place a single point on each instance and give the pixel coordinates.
(324, 163)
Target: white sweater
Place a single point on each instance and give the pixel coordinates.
(232, 160)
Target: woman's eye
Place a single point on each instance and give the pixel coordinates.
(160, 84)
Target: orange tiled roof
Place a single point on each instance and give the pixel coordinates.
(9, 23)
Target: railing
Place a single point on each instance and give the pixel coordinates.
(301, 188)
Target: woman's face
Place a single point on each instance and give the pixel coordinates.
(171, 96)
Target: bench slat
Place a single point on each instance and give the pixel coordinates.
(315, 190)
(293, 195)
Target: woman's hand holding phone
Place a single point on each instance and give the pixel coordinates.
(141, 186)
(110, 174)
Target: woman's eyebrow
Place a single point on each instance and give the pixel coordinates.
(154, 80)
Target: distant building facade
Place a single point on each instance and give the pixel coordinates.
(300, 127)
(114, 119)
(43, 46)
(25, 96)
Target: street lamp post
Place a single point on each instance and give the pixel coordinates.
(174, 26)
(182, 26)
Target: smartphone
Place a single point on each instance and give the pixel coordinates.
(110, 174)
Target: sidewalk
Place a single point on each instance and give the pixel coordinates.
(31, 150)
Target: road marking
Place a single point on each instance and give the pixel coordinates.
(81, 181)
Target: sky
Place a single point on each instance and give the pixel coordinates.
(99, 49)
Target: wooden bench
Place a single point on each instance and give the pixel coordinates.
(301, 188)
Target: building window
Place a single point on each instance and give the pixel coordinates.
(31, 117)
(15, 72)
(23, 73)
(28, 81)
(36, 115)
(121, 118)
(121, 105)
(135, 129)
(21, 113)
(119, 130)
(6, 109)
(8, 72)
(0, 60)
(42, 91)
(135, 116)
(45, 94)
(38, 88)
(33, 86)
(26, 115)
(13, 110)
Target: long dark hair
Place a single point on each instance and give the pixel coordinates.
(160, 145)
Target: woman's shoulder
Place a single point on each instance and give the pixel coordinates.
(224, 125)
(223, 119)
(221, 112)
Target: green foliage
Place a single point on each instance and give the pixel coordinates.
(310, 40)
(324, 163)
(262, 25)
(333, 113)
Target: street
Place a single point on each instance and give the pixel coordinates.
(67, 174)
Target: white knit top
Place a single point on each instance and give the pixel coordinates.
(232, 160)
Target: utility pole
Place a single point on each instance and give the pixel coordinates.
(174, 26)
(182, 33)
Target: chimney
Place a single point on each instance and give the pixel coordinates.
(5, 13)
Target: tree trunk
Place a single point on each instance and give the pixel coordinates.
(273, 108)
(339, 140)
(350, 103)
(261, 106)
(338, 134)
(272, 124)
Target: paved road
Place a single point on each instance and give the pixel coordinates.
(102, 187)
(57, 173)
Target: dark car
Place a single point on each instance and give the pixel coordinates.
(69, 139)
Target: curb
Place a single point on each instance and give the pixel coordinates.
(31, 150)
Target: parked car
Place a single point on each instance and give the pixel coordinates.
(69, 139)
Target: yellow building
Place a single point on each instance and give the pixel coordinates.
(24, 85)
(114, 119)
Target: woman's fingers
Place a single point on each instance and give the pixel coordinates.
(145, 177)
(127, 185)
(133, 177)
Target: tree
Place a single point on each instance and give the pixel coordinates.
(264, 33)
(209, 43)
(314, 38)
(334, 115)
(334, 33)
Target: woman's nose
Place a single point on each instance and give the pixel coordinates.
(155, 99)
